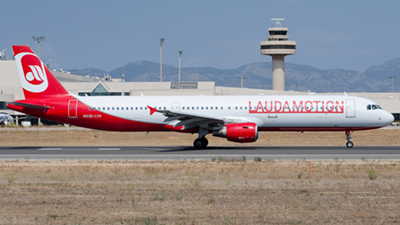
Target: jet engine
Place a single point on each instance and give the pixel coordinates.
(238, 132)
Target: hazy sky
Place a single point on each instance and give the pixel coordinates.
(221, 34)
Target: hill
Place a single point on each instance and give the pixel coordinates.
(259, 75)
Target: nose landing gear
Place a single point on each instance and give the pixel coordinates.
(349, 144)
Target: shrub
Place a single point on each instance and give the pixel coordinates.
(299, 175)
(11, 178)
(54, 216)
(372, 174)
(257, 159)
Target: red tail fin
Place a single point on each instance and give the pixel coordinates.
(36, 80)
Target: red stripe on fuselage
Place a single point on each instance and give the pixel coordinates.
(314, 128)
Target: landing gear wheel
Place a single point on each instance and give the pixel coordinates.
(200, 143)
(349, 144)
(205, 142)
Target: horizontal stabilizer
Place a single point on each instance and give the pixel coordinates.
(29, 105)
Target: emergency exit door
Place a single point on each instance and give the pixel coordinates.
(176, 106)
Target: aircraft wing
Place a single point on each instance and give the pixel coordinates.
(188, 120)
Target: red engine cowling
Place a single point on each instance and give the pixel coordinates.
(239, 132)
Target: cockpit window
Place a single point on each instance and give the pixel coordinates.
(373, 107)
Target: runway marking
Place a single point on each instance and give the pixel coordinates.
(49, 149)
(109, 149)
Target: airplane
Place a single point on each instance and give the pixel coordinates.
(6, 119)
(236, 118)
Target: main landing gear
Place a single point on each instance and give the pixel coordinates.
(202, 141)
(349, 144)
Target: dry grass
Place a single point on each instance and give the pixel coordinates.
(85, 137)
(198, 192)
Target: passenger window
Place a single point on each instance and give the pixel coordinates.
(206, 107)
(222, 108)
(112, 108)
(211, 107)
(117, 108)
(229, 107)
(192, 108)
(141, 108)
(122, 108)
(236, 107)
(202, 108)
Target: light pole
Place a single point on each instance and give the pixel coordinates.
(161, 42)
(393, 81)
(38, 39)
(180, 53)
(241, 77)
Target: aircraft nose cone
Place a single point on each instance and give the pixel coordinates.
(387, 118)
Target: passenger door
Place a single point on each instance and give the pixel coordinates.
(350, 108)
(73, 109)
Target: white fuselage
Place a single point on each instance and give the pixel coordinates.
(300, 111)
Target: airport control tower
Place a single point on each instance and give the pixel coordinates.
(278, 47)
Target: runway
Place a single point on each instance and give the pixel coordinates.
(190, 153)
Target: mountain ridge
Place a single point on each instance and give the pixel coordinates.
(259, 75)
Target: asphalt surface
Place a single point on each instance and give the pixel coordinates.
(189, 153)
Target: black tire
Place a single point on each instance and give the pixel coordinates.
(349, 144)
(200, 143)
(205, 142)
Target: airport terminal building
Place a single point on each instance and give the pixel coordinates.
(10, 89)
